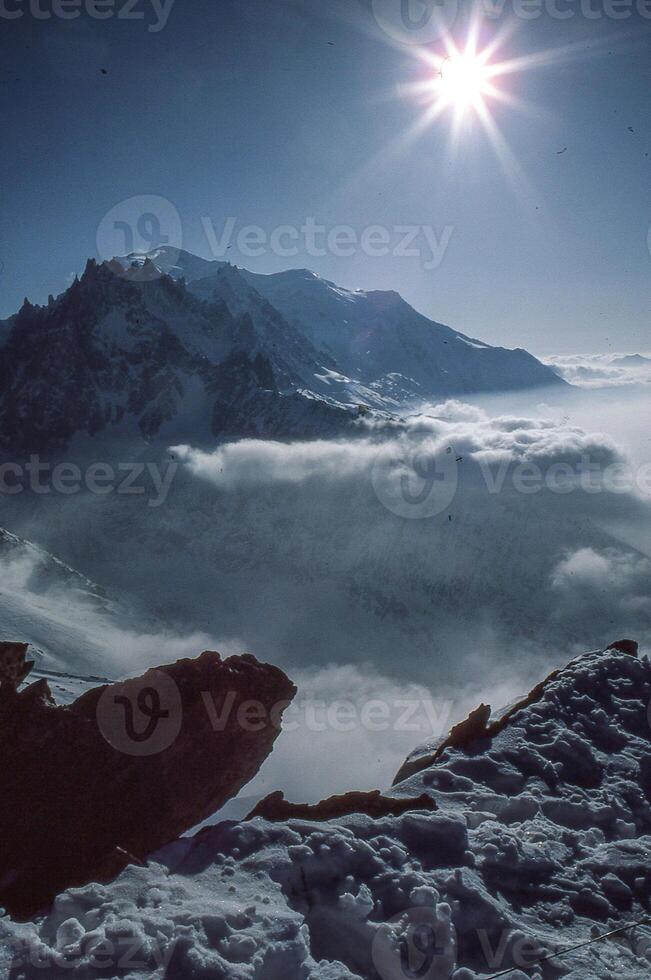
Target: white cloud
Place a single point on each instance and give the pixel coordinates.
(452, 427)
(288, 552)
(316, 563)
(351, 728)
(602, 370)
(254, 461)
(608, 585)
(621, 572)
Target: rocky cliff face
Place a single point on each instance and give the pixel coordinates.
(249, 404)
(133, 355)
(88, 788)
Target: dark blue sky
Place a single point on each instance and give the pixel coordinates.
(277, 111)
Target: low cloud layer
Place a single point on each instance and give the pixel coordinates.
(455, 555)
(445, 530)
(349, 727)
(352, 728)
(256, 461)
(603, 370)
(453, 428)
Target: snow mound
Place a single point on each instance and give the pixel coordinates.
(540, 841)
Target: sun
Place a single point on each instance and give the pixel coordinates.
(465, 84)
(463, 81)
(471, 82)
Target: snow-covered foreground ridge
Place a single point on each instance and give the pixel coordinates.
(540, 841)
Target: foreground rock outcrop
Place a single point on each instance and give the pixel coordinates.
(88, 788)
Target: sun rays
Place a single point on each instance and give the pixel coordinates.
(467, 81)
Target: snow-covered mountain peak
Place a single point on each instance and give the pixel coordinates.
(174, 262)
(383, 299)
(370, 334)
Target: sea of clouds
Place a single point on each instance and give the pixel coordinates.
(448, 557)
(603, 370)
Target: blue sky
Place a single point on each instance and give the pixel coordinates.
(279, 111)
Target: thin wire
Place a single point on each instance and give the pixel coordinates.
(571, 949)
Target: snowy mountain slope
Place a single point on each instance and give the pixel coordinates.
(367, 338)
(46, 603)
(98, 356)
(262, 327)
(539, 842)
(248, 403)
(372, 334)
(293, 355)
(79, 635)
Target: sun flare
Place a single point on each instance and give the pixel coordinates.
(462, 81)
(470, 82)
(464, 85)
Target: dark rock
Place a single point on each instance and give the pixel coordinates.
(629, 647)
(13, 666)
(275, 807)
(467, 731)
(88, 788)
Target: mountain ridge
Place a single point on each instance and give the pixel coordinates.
(143, 344)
